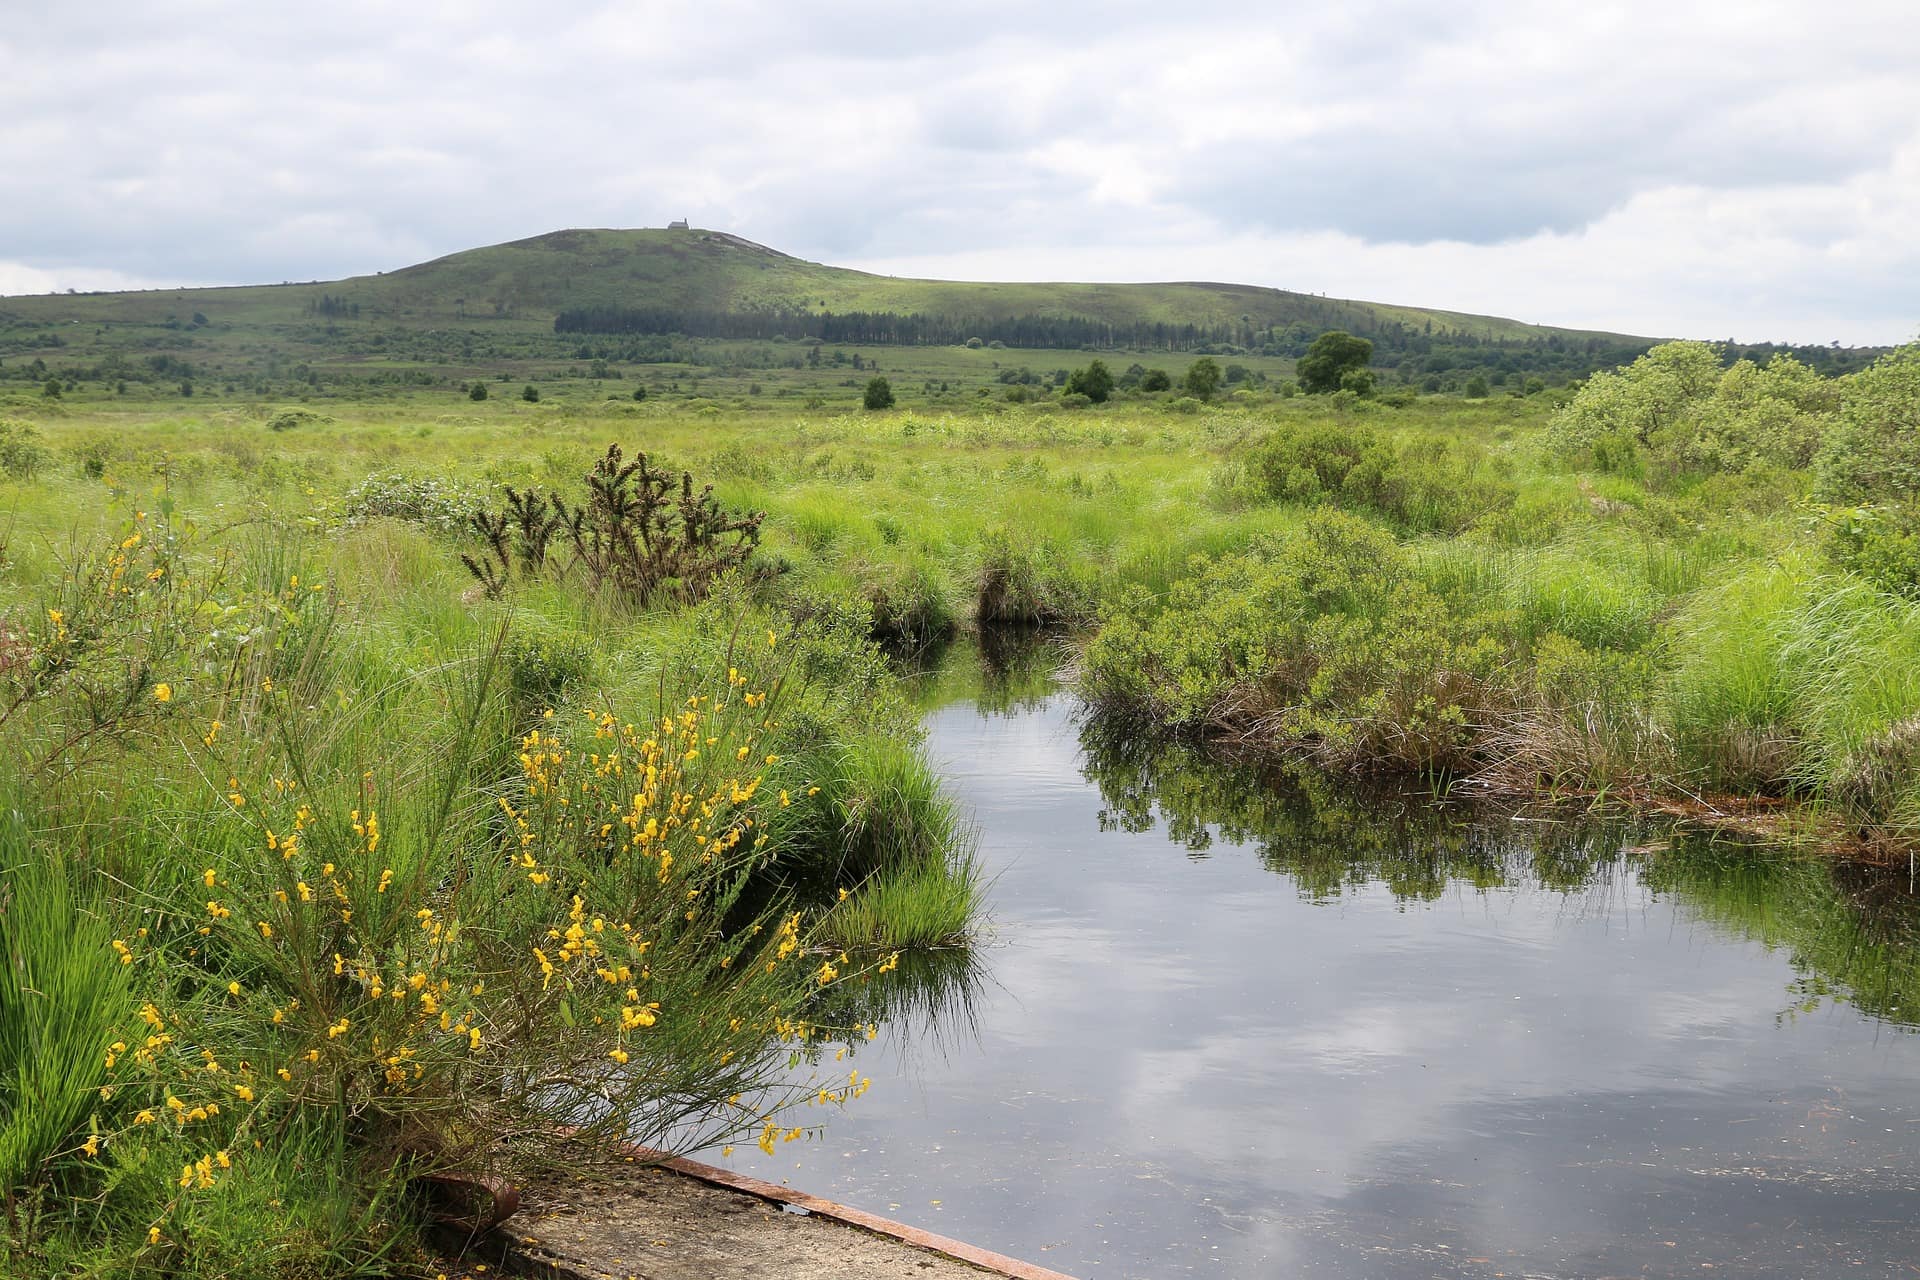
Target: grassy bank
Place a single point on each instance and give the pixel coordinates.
(325, 878)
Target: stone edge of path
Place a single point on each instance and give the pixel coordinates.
(533, 1263)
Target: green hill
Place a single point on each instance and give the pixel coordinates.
(711, 271)
(589, 303)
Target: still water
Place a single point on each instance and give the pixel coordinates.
(1228, 1025)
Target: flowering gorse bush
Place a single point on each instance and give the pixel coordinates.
(449, 971)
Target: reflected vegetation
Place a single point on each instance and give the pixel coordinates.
(1001, 671)
(928, 1002)
(1330, 835)
(1851, 931)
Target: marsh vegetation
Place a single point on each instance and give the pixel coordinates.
(420, 777)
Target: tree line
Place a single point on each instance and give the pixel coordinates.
(893, 328)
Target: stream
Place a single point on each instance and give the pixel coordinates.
(1233, 1023)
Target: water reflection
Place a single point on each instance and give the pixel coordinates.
(1356, 1035)
(1852, 931)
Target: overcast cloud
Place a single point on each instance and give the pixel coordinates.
(1744, 170)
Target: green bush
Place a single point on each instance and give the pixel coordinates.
(1423, 485)
(436, 503)
(543, 663)
(291, 419)
(21, 452)
(1326, 642)
(1881, 544)
(1873, 450)
(1679, 404)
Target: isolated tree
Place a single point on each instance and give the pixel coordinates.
(530, 393)
(879, 394)
(478, 391)
(1332, 354)
(1094, 382)
(1156, 380)
(1203, 378)
(1476, 388)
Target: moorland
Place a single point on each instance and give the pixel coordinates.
(461, 706)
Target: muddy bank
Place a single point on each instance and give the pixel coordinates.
(655, 1223)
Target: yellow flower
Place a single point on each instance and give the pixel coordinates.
(244, 1093)
(619, 1056)
(153, 1235)
(163, 693)
(92, 1145)
(233, 988)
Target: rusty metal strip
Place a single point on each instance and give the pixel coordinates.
(959, 1250)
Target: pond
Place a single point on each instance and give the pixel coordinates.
(1236, 1024)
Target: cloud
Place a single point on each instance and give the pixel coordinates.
(1584, 166)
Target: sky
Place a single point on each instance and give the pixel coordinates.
(1743, 170)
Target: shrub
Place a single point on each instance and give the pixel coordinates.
(1423, 485)
(478, 391)
(21, 452)
(543, 663)
(368, 947)
(436, 503)
(290, 419)
(1879, 543)
(1325, 643)
(632, 535)
(878, 395)
(1684, 409)
(1094, 382)
(1873, 449)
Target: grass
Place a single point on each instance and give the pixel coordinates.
(1569, 629)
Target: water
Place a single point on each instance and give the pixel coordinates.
(1227, 1025)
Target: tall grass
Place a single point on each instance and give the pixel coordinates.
(65, 997)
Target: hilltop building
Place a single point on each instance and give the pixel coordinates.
(678, 224)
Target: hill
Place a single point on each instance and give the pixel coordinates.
(639, 295)
(712, 271)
